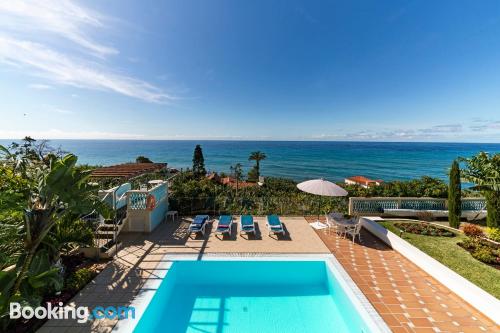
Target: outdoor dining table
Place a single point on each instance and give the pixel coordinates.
(346, 222)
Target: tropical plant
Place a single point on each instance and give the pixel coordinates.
(454, 196)
(198, 162)
(484, 171)
(57, 190)
(78, 279)
(256, 156)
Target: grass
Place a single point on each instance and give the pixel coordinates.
(446, 251)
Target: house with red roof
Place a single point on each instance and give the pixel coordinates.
(363, 181)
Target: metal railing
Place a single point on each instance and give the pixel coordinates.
(378, 205)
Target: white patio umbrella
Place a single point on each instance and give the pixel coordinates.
(322, 187)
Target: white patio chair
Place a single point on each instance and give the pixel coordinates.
(354, 230)
(331, 220)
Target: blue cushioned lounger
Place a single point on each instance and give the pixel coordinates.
(246, 224)
(274, 225)
(199, 223)
(225, 225)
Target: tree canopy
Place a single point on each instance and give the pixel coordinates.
(198, 162)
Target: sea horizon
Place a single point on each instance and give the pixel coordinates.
(297, 160)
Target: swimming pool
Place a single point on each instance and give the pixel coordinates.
(226, 296)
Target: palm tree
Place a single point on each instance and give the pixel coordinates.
(257, 156)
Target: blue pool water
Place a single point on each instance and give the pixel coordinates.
(250, 296)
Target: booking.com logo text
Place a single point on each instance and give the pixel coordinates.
(79, 313)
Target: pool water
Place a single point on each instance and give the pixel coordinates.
(250, 296)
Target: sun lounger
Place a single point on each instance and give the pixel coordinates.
(199, 223)
(225, 225)
(274, 225)
(246, 224)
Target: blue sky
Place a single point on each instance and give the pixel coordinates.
(265, 70)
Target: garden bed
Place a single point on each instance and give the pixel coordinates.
(447, 251)
(79, 272)
(424, 228)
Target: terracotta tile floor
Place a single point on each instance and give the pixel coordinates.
(407, 298)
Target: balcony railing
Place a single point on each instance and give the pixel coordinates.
(378, 205)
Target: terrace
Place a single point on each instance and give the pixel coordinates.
(407, 298)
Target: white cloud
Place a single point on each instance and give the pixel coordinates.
(58, 68)
(62, 111)
(61, 17)
(445, 132)
(39, 86)
(25, 26)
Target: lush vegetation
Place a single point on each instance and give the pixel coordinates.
(493, 233)
(43, 197)
(454, 196)
(190, 195)
(484, 171)
(482, 250)
(447, 251)
(423, 228)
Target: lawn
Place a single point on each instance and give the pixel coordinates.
(446, 251)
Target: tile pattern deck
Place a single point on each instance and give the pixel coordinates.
(407, 298)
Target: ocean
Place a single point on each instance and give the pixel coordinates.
(298, 160)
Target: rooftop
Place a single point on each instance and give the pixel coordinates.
(128, 170)
(364, 180)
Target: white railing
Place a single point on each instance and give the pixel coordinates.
(377, 205)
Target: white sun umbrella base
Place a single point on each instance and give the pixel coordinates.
(323, 188)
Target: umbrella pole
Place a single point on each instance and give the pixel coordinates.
(319, 206)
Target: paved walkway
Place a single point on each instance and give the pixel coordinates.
(407, 298)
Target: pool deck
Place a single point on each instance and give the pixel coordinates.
(121, 280)
(407, 298)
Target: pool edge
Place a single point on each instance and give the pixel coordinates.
(356, 296)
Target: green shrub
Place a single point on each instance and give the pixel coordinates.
(469, 243)
(484, 254)
(493, 233)
(78, 279)
(473, 230)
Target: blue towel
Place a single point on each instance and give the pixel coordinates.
(274, 221)
(247, 220)
(200, 219)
